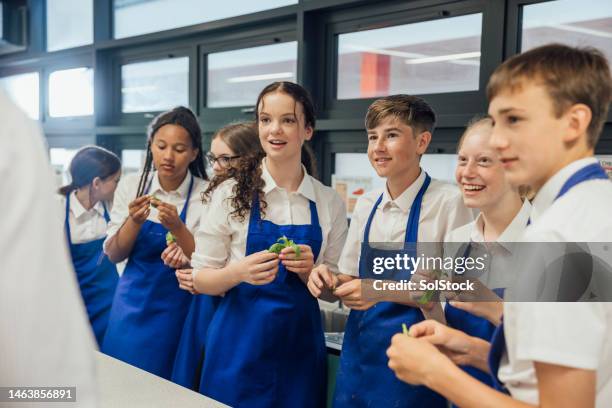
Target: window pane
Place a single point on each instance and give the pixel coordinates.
(23, 90)
(60, 160)
(69, 23)
(572, 22)
(71, 92)
(155, 85)
(235, 78)
(422, 58)
(148, 16)
(132, 160)
(354, 175)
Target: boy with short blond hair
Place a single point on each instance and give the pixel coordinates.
(549, 106)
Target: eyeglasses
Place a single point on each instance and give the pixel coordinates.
(224, 161)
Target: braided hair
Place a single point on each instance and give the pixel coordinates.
(183, 117)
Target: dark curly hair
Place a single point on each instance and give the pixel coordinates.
(247, 173)
(185, 118)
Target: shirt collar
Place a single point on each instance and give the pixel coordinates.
(549, 191)
(78, 210)
(405, 199)
(306, 187)
(181, 191)
(511, 234)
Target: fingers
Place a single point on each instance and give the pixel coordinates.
(348, 288)
(289, 253)
(263, 256)
(313, 288)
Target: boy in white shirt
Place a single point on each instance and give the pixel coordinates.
(549, 106)
(411, 208)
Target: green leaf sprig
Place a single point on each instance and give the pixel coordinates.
(429, 294)
(284, 242)
(154, 201)
(405, 329)
(170, 238)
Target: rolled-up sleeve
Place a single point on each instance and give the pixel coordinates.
(213, 237)
(120, 211)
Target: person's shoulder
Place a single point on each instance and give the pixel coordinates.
(441, 192)
(324, 193)
(199, 184)
(582, 214)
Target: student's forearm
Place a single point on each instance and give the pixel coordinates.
(184, 239)
(479, 354)
(120, 245)
(467, 392)
(215, 282)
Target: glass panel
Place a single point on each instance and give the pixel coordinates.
(23, 90)
(71, 92)
(135, 17)
(132, 160)
(422, 58)
(155, 85)
(572, 22)
(235, 78)
(60, 160)
(354, 175)
(69, 23)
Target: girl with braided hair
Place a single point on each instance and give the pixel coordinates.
(151, 211)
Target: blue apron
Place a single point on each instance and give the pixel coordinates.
(97, 277)
(498, 342)
(265, 345)
(149, 308)
(472, 325)
(364, 378)
(190, 354)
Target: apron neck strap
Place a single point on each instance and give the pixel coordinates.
(67, 219)
(591, 172)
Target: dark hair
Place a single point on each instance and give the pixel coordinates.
(570, 75)
(240, 137)
(248, 173)
(87, 164)
(411, 110)
(184, 118)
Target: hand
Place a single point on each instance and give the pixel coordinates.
(185, 280)
(259, 268)
(302, 265)
(424, 299)
(461, 348)
(415, 361)
(174, 257)
(139, 209)
(481, 301)
(351, 294)
(169, 217)
(321, 278)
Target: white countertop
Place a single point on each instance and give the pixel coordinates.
(123, 385)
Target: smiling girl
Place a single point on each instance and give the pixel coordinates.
(265, 344)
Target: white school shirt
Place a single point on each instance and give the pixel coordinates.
(126, 193)
(85, 225)
(502, 253)
(442, 211)
(45, 337)
(575, 335)
(221, 239)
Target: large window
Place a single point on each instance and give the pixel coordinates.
(148, 16)
(572, 22)
(71, 92)
(429, 57)
(23, 89)
(155, 85)
(235, 78)
(60, 160)
(69, 23)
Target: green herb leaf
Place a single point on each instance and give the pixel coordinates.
(170, 238)
(276, 248)
(405, 329)
(296, 249)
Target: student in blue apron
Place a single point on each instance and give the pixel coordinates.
(229, 144)
(94, 174)
(412, 207)
(549, 105)
(149, 309)
(265, 345)
(502, 220)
